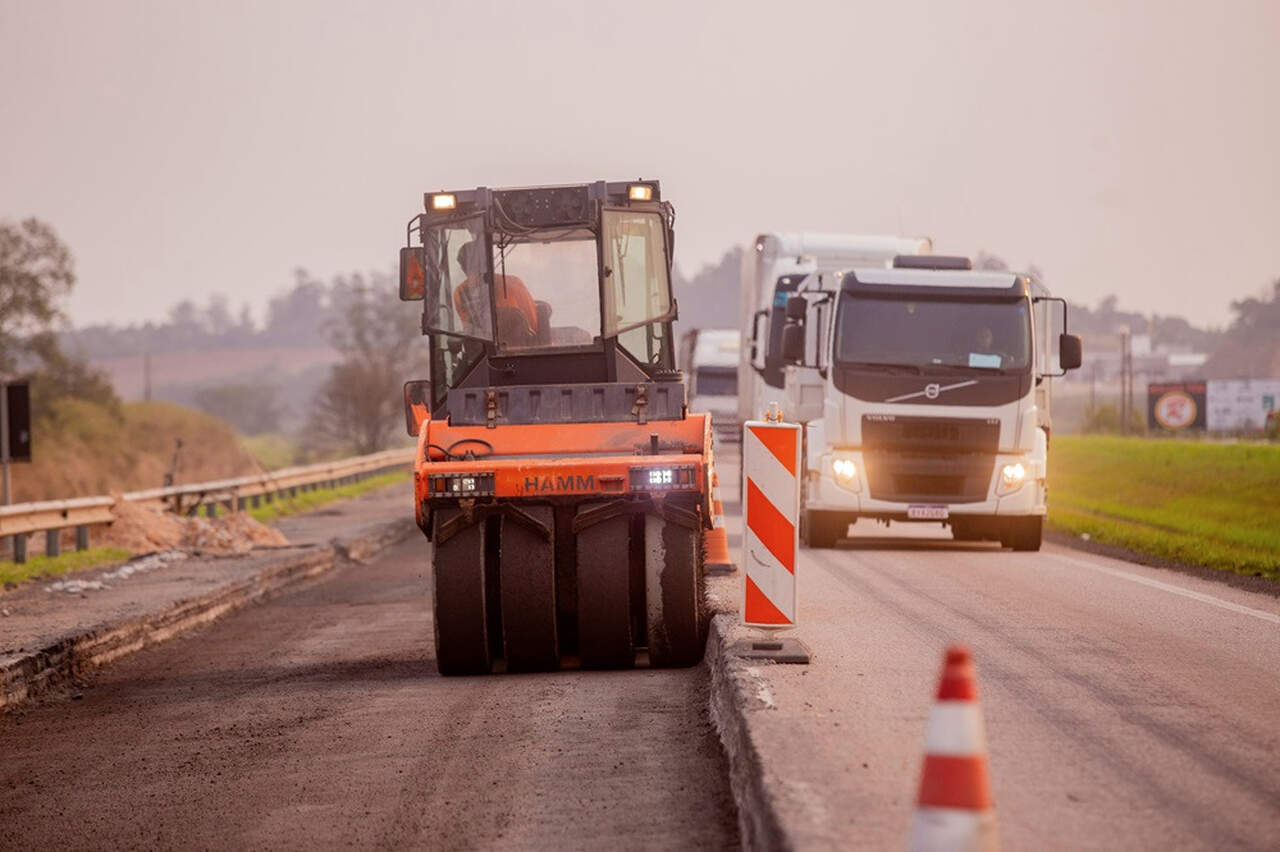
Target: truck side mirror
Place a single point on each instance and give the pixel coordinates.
(417, 405)
(792, 341)
(797, 307)
(1070, 352)
(413, 273)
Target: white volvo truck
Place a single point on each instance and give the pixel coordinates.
(924, 390)
(771, 272)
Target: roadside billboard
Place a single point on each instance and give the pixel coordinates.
(1241, 405)
(1176, 406)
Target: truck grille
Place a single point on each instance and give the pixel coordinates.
(929, 459)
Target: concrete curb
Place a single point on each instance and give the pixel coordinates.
(733, 694)
(85, 651)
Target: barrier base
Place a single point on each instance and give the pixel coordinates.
(775, 650)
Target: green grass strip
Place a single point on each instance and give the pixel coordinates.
(52, 566)
(305, 501)
(1202, 503)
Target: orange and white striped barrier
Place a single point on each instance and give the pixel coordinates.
(716, 540)
(954, 809)
(770, 515)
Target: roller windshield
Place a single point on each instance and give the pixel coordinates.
(990, 336)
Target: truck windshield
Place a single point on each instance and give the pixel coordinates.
(990, 335)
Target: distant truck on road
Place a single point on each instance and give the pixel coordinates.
(709, 358)
(924, 390)
(770, 273)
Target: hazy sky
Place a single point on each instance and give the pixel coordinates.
(187, 148)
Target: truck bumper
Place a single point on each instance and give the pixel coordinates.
(824, 493)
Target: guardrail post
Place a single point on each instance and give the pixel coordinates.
(20, 548)
(255, 501)
(82, 537)
(52, 542)
(211, 510)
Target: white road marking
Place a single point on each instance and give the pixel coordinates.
(1169, 587)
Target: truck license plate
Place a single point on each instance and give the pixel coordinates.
(928, 513)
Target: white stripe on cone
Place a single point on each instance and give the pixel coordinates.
(955, 729)
(952, 829)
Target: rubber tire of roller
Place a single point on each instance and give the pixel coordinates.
(678, 625)
(528, 572)
(605, 639)
(460, 619)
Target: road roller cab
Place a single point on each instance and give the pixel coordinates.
(559, 475)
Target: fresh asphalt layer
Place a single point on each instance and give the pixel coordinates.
(1125, 706)
(318, 719)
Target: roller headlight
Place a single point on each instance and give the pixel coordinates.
(680, 477)
(461, 484)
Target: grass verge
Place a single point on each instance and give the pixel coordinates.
(308, 500)
(1198, 503)
(52, 566)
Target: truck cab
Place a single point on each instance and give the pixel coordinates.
(925, 395)
(772, 271)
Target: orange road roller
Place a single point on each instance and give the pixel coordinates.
(562, 481)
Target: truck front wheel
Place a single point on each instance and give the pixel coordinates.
(823, 529)
(1023, 534)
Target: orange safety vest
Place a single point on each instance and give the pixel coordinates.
(510, 292)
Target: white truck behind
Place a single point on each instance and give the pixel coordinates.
(924, 390)
(771, 272)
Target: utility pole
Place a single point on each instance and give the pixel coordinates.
(4, 441)
(146, 376)
(1125, 379)
(1093, 389)
(4, 455)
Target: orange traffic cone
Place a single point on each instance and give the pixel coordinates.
(954, 808)
(716, 540)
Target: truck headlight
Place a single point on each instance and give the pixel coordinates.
(1012, 476)
(845, 472)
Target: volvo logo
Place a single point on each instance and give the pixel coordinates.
(932, 391)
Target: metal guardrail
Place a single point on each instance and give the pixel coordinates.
(53, 516)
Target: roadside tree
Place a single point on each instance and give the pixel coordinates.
(359, 405)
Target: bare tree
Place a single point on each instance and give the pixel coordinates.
(381, 347)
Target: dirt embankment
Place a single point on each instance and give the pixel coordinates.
(81, 450)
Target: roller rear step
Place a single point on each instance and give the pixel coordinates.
(602, 585)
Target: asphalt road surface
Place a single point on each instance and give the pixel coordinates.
(318, 719)
(1126, 706)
